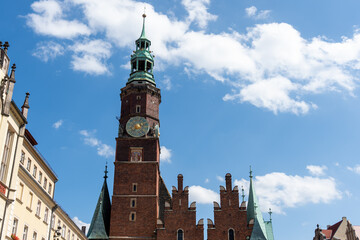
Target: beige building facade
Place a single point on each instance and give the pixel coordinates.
(27, 182)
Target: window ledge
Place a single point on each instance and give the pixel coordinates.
(29, 209)
(37, 216)
(45, 222)
(19, 201)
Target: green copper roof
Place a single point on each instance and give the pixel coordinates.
(254, 212)
(269, 230)
(100, 223)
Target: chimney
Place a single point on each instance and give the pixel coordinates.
(228, 182)
(25, 107)
(6, 46)
(83, 229)
(10, 90)
(180, 183)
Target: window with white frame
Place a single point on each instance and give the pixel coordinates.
(34, 236)
(46, 215)
(14, 226)
(22, 158)
(28, 165)
(40, 177)
(68, 235)
(25, 233)
(138, 108)
(63, 231)
(45, 183)
(52, 223)
(34, 171)
(6, 155)
(38, 208)
(72, 237)
(49, 189)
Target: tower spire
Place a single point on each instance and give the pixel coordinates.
(143, 27)
(243, 194)
(106, 171)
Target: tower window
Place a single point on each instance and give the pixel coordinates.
(138, 108)
(141, 65)
(133, 202)
(134, 187)
(148, 66)
(180, 234)
(138, 97)
(132, 216)
(231, 234)
(142, 45)
(133, 68)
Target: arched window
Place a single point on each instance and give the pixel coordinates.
(180, 234)
(231, 234)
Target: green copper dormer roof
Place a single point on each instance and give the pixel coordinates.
(100, 223)
(254, 212)
(142, 61)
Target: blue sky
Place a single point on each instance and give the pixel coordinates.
(271, 84)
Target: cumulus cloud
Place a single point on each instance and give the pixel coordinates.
(197, 10)
(165, 154)
(58, 124)
(47, 19)
(46, 51)
(355, 169)
(167, 83)
(279, 191)
(270, 65)
(103, 149)
(80, 223)
(316, 170)
(254, 13)
(220, 179)
(203, 195)
(91, 56)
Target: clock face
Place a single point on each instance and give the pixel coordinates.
(137, 126)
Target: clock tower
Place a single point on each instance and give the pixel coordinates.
(135, 201)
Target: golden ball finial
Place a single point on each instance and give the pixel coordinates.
(144, 15)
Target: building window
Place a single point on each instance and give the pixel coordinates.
(72, 237)
(45, 183)
(138, 97)
(28, 165)
(134, 187)
(180, 234)
(34, 171)
(231, 234)
(22, 158)
(49, 189)
(59, 225)
(25, 233)
(14, 226)
(34, 236)
(21, 191)
(38, 208)
(138, 108)
(133, 202)
(132, 216)
(52, 223)
(40, 177)
(68, 235)
(46, 214)
(30, 200)
(136, 154)
(6, 155)
(63, 231)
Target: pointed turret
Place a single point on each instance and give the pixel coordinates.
(25, 107)
(142, 61)
(9, 90)
(254, 213)
(100, 223)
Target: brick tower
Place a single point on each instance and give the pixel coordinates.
(135, 201)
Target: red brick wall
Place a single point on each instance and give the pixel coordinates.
(180, 216)
(229, 216)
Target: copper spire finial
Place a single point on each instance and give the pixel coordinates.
(106, 171)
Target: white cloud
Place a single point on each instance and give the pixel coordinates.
(279, 191)
(167, 83)
(203, 195)
(46, 51)
(103, 149)
(254, 13)
(207, 180)
(220, 179)
(355, 169)
(165, 154)
(316, 170)
(197, 10)
(270, 66)
(58, 124)
(80, 223)
(48, 20)
(91, 56)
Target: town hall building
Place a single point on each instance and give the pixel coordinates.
(142, 207)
